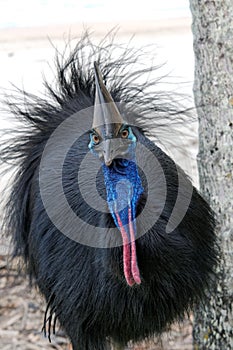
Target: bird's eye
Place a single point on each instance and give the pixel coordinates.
(95, 139)
(125, 134)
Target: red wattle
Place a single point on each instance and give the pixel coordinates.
(134, 264)
(131, 270)
(126, 253)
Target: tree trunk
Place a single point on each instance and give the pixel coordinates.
(213, 91)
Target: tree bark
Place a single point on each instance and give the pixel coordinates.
(213, 91)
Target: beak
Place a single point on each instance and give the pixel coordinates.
(108, 152)
(111, 149)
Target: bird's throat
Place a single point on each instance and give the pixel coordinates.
(124, 188)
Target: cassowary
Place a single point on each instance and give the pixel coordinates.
(111, 230)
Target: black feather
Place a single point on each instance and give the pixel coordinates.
(84, 286)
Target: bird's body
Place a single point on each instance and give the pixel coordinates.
(99, 290)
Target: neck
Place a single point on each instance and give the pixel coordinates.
(124, 188)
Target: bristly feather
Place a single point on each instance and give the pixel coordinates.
(84, 286)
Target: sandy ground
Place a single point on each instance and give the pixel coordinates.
(24, 54)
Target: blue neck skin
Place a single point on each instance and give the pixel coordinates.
(124, 188)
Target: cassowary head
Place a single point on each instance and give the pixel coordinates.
(114, 142)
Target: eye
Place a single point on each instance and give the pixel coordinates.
(125, 134)
(95, 139)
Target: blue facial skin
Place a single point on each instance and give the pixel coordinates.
(123, 183)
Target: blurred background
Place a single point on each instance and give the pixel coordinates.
(26, 27)
(29, 32)
(28, 13)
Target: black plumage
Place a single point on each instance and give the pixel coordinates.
(84, 285)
